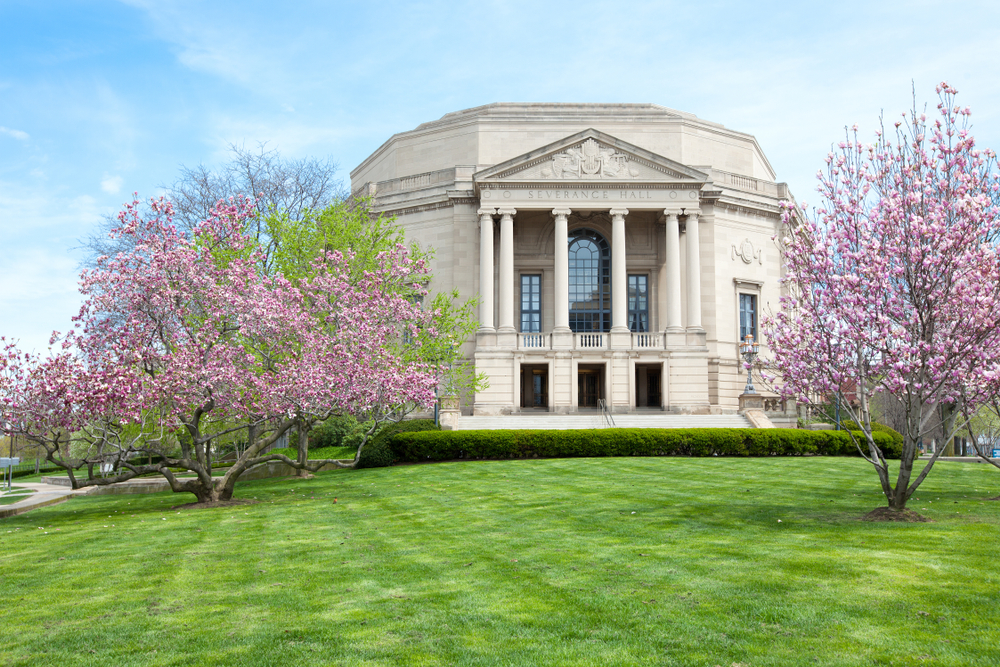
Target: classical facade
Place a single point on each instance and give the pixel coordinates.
(621, 251)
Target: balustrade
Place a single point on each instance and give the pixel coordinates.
(647, 341)
(774, 404)
(534, 341)
(589, 341)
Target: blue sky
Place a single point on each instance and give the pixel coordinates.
(100, 99)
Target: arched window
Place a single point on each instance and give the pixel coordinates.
(589, 281)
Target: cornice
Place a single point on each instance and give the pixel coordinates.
(748, 207)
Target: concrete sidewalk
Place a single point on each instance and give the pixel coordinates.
(56, 489)
(52, 490)
(44, 494)
(953, 459)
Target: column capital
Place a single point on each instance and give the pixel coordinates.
(564, 212)
(693, 216)
(618, 212)
(507, 212)
(669, 213)
(487, 211)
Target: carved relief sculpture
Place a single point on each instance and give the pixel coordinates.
(589, 160)
(747, 253)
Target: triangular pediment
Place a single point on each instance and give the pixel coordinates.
(590, 155)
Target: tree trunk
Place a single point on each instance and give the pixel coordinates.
(899, 497)
(225, 491)
(303, 450)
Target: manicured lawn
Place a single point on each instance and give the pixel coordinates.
(15, 496)
(319, 453)
(660, 561)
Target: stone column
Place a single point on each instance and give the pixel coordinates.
(561, 272)
(619, 280)
(693, 274)
(506, 323)
(486, 269)
(673, 268)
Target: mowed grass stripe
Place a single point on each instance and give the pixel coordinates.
(515, 562)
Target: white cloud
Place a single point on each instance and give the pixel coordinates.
(38, 295)
(112, 184)
(40, 231)
(17, 134)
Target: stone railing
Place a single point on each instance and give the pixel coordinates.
(416, 181)
(590, 341)
(774, 404)
(748, 183)
(534, 341)
(647, 341)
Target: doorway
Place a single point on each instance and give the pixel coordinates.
(590, 385)
(534, 386)
(648, 386)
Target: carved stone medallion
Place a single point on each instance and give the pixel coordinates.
(747, 253)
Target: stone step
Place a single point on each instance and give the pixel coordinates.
(590, 421)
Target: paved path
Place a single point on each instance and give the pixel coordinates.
(44, 494)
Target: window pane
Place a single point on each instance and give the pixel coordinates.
(638, 303)
(748, 316)
(531, 303)
(589, 281)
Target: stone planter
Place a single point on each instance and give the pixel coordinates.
(449, 413)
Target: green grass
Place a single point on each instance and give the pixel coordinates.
(629, 561)
(16, 495)
(319, 453)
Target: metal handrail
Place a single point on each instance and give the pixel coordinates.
(609, 421)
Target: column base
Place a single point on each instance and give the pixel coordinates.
(697, 337)
(507, 337)
(620, 339)
(562, 339)
(674, 338)
(486, 338)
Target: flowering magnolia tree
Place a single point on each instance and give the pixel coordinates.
(892, 285)
(184, 340)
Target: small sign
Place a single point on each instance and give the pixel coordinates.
(996, 453)
(7, 462)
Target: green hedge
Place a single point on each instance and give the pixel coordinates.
(379, 453)
(897, 437)
(513, 444)
(333, 431)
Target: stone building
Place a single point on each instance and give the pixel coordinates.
(621, 251)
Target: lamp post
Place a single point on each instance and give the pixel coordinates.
(749, 349)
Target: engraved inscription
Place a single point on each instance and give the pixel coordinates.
(592, 195)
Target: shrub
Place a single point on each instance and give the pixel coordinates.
(378, 453)
(895, 450)
(412, 445)
(319, 453)
(332, 432)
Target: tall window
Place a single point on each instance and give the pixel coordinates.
(748, 316)
(531, 303)
(589, 281)
(638, 304)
